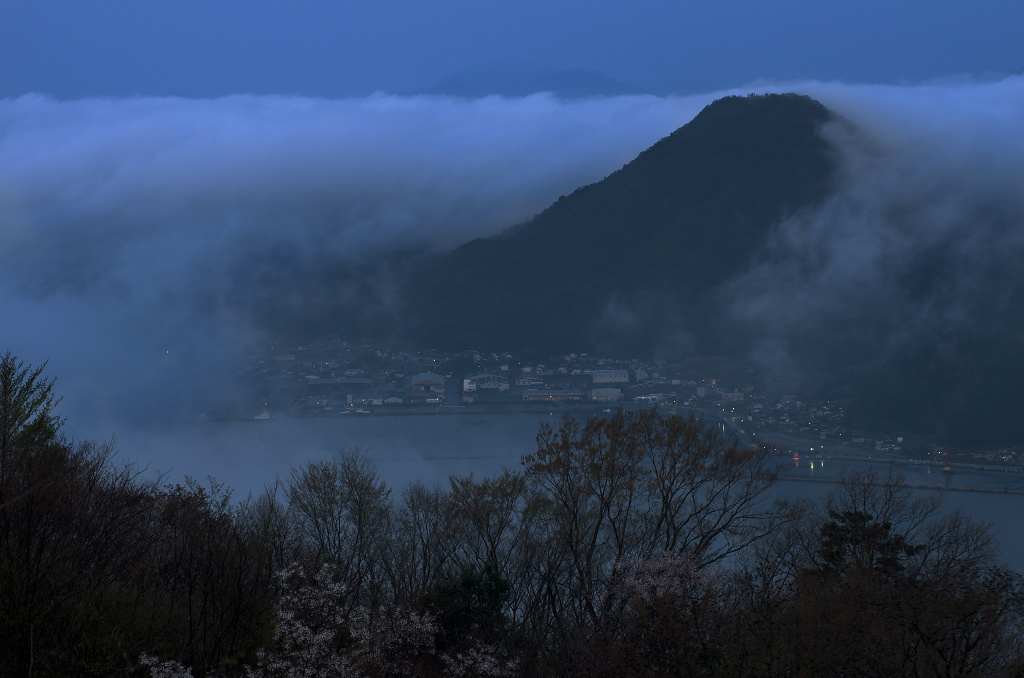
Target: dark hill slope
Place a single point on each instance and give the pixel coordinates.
(622, 264)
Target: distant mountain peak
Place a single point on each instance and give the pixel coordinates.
(657, 237)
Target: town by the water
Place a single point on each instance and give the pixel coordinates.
(339, 379)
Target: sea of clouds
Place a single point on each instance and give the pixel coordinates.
(134, 231)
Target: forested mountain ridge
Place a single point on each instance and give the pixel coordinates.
(657, 237)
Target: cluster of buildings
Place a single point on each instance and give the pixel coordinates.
(537, 384)
(358, 390)
(334, 377)
(791, 415)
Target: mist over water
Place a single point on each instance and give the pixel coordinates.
(140, 237)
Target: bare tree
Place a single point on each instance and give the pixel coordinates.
(266, 520)
(706, 495)
(637, 485)
(342, 514)
(422, 543)
(68, 547)
(876, 581)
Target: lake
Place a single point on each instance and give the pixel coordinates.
(248, 455)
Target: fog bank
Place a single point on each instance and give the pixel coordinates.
(139, 237)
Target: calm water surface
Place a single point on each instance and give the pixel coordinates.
(248, 455)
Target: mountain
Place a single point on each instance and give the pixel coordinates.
(664, 258)
(632, 264)
(522, 77)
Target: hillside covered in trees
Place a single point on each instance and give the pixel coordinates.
(639, 544)
(767, 228)
(658, 237)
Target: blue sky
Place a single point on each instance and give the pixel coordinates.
(204, 48)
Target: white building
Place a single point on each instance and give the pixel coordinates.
(610, 376)
(484, 381)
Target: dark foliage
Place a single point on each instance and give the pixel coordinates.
(639, 544)
(469, 608)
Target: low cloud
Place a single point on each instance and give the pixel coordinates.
(919, 250)
(140, 237)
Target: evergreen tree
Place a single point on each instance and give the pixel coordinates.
(26, 407)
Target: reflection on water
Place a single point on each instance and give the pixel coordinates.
(918, 474)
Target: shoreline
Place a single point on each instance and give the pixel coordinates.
(853, 453)
(913, 486)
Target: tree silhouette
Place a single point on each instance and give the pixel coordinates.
(26, 409)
